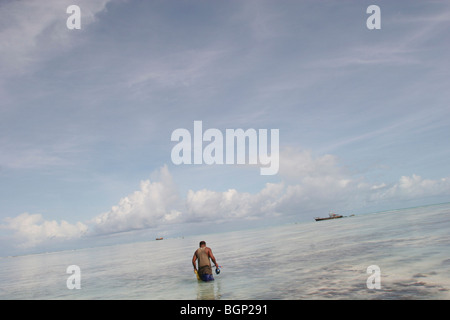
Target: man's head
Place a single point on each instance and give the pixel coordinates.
(202, 244)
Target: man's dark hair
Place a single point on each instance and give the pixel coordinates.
(202, 243)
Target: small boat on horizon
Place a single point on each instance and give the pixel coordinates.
(160, 238)
(330, 216)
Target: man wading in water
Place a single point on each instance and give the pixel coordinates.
(203, 254)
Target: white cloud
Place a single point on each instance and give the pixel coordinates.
(300, 165)
(207, 205)
(413, 187)
(310, 186)
(157, 203)
(154, 204)
(31, 229)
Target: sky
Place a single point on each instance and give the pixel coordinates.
(86, 115)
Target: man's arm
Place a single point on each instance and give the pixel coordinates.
(212, 257)
(194, 259)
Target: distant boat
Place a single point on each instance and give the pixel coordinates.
(159, 238)
(331, 216)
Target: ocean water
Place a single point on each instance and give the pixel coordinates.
(312, 260)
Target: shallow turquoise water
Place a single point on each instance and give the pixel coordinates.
(314, 260)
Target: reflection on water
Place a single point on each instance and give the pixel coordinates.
(314, 260)
(209, 290)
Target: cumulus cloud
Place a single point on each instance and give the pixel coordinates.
(300, 167)
(210, 205)
(158, 203)
(412, 187)
(308, 185)
(154, 204)
(31, 229)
